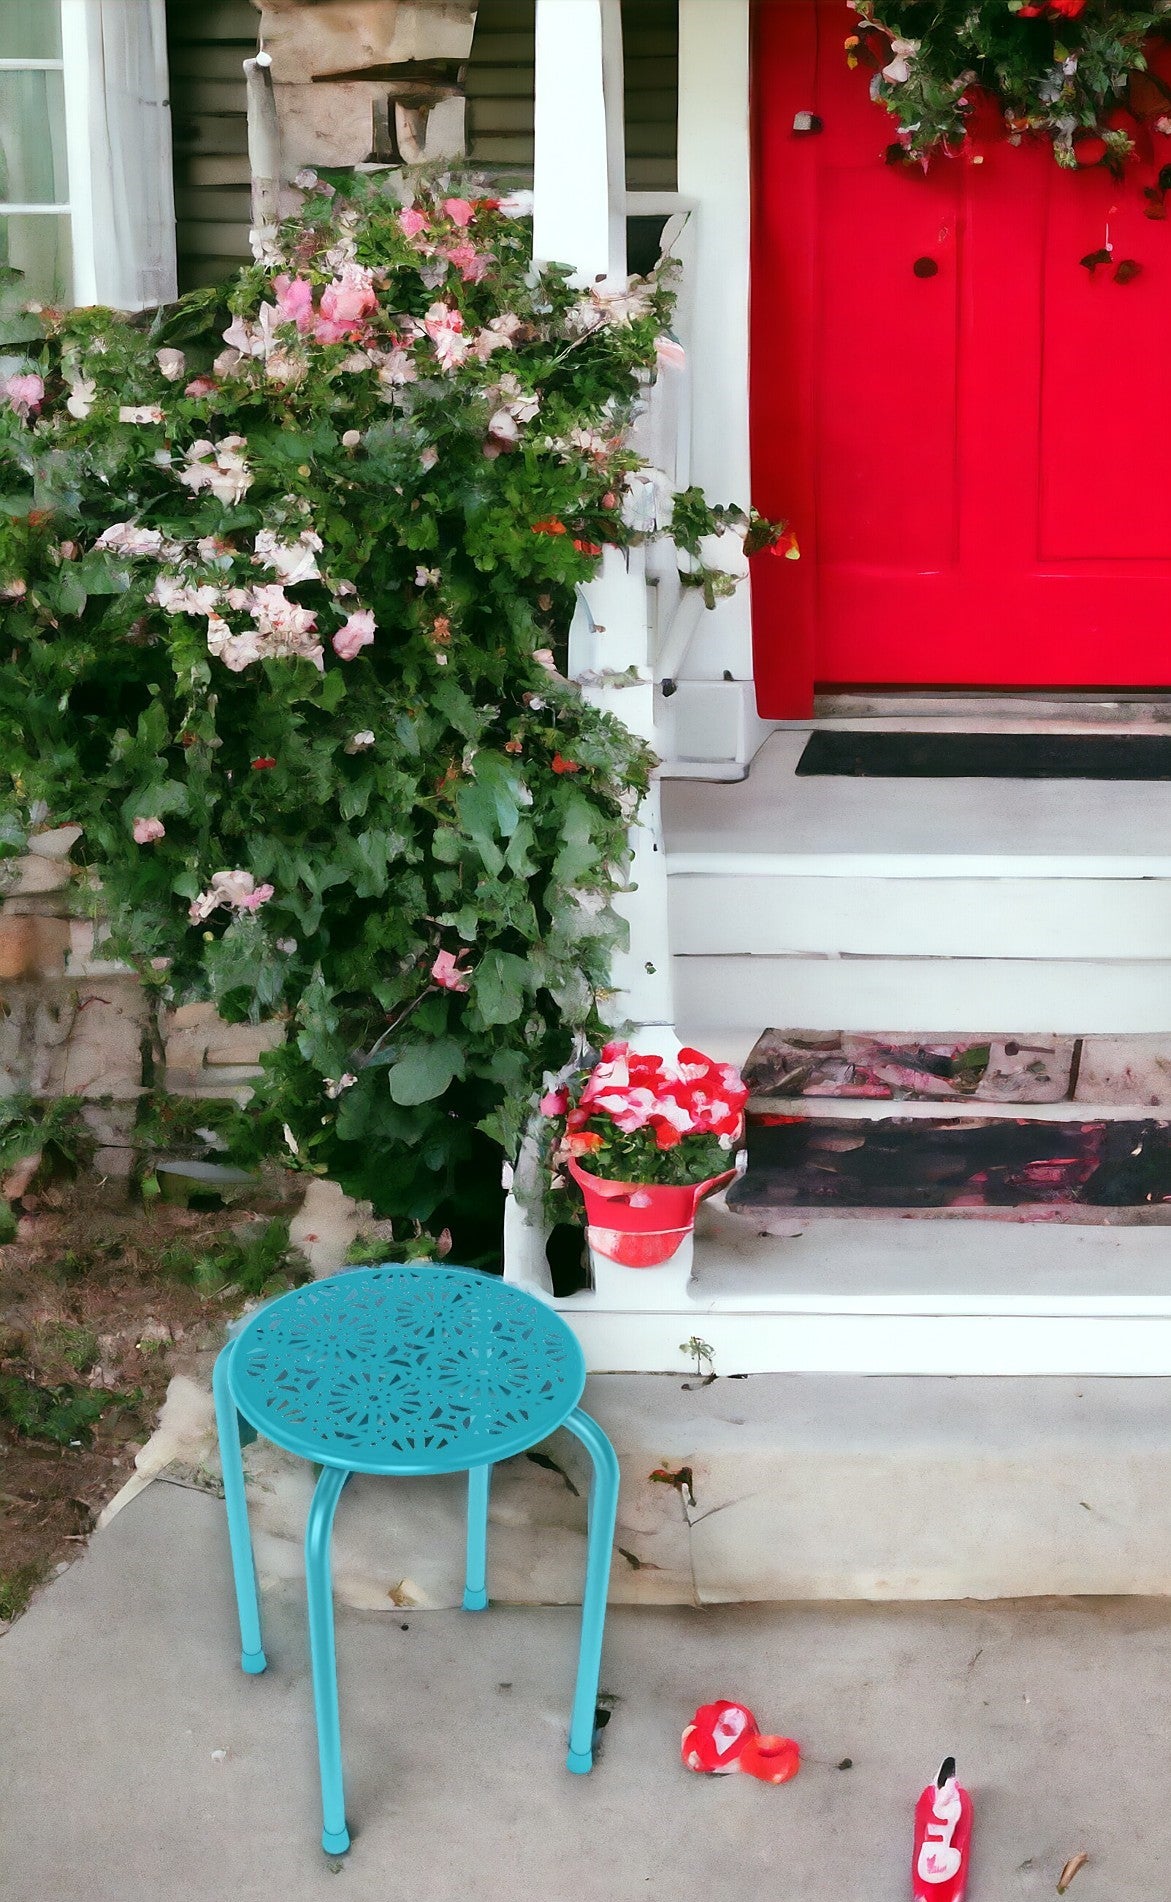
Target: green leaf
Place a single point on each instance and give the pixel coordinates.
(499, 987)
(98, 574)
(333, 690)
(579, 853)
(426, 1070)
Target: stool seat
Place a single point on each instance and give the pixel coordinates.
(406, 1370)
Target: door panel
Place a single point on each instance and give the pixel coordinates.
(971, 453)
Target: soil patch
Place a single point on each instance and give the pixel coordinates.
(101, 1302)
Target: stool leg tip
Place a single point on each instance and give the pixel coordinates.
(254, 1662)
(581, 1762)
(335, 1842)
(475, 1601)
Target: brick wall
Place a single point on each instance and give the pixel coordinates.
(76, 1023)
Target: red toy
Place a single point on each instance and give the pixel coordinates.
(723, 1737)
(943, 1835)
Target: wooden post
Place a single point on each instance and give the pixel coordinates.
(579, 168)
(264, 143)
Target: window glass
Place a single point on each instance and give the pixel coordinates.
(32, 138)
(30, 29)
(39, 247)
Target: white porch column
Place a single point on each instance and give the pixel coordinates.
(579, 165)
(715, 169)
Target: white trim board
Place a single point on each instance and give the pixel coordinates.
(735, 996)
(751, 914)
(768, 1342)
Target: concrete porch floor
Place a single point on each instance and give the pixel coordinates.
(140, 1764)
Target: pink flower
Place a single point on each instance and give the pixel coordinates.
(471, 264)
(146, 831)
(293, 561)
(237, 890)
(294, 301)
(345, 304)
(554, 1103)
(446, 971)
(124, 538)
(253, 900)
(445, 327)
(23, 393)
(412, 221)
(355, 634)
(200, 386)
(459, 211)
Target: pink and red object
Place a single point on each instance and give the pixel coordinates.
(641, 1224)
(664, 1103)
(943, 1837)
(723, 1738)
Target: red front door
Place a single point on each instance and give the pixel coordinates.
(976, 457)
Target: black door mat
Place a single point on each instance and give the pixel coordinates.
(840, 1167)
(987, 755)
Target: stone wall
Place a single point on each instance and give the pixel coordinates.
(329, 122)
(76, 1023)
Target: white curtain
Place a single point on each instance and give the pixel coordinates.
(118, 120)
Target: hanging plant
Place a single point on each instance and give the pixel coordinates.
(1081, 73)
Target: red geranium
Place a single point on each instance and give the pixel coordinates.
(647, 1118)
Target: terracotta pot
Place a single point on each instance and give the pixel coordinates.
(641, 1224)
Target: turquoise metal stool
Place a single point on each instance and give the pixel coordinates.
(405, 1370)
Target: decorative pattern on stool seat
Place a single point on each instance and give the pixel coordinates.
(406, 1370)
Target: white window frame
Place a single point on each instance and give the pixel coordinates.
(101, 270)
(12, 209)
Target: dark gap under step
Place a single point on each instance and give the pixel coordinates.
(988, 755)
(798, 1162)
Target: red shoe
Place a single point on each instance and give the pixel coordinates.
(716, 1736)
(772, 1759)
(943, 1835)
(723, 1737)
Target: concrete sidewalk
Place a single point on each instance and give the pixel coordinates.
(139, 1764)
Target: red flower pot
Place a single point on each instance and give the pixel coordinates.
(640, 1224)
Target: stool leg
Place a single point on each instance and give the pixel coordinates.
(335, 1836)
(476, 1586)
(603, 1513)
(252, 1658)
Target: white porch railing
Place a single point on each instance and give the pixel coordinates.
(635, 614)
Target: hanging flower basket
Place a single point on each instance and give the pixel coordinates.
(646, 1138)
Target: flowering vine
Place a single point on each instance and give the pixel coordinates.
(287, 571)
(1092, 76)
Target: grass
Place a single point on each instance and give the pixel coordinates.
(255, 1262)
(17, 1587)
(76, 1345)
(64, 1415)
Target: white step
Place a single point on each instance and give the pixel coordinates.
(841, 903)
(830, 826)
(891, 1296)
(801, 1486)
